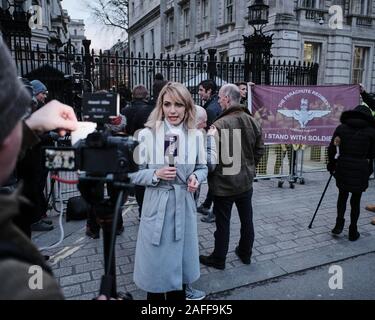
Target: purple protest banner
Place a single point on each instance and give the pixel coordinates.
(301, 114)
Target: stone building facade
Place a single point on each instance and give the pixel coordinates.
(304, 30)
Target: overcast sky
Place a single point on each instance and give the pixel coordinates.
(101, 37)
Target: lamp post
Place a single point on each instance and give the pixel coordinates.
(258, 45)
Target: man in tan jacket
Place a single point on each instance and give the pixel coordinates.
(240, 149)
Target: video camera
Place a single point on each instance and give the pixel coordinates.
(100, 154)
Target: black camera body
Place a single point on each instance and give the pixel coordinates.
(101, 154)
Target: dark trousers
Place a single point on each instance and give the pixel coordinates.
(167, 296)
(209, 199)
(355, 202)
(139, 195)
(222, 210)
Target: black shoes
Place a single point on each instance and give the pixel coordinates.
(41, 226)
(211, 261)
(209, 218)
(244, 258)
(203, 210)
(353, 233)
(92, 234)
(96, 234)
(339, 226)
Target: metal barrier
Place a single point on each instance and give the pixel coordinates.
(288, 162)
(60, 188)
(64, 185)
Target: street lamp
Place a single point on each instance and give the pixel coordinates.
(258, 45)
(258, 14)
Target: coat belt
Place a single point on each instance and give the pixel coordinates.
(179, 190)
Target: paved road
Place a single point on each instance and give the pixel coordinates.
(357, 282)
(283, 243)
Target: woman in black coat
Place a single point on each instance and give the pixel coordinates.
(354, 140)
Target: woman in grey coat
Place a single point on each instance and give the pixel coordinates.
(172, 162)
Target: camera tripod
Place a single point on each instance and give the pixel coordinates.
(107, 212)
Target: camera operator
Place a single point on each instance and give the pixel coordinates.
(17, 253)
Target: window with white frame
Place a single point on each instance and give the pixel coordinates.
(170, 29)
(359, 64)
(229, 11)
(311, 52)
(186, 23)
(363, 7)
(204, 16)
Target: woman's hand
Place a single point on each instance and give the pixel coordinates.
(193, 183)
(166, 173)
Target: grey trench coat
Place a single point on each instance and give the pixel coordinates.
(167, 253)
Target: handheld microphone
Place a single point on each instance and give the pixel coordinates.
(171, 149)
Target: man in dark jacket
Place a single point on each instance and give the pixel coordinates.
(140, 96)
(34, 176)
(354, 143)
(241, 147)
(207, 93)
(23, 272)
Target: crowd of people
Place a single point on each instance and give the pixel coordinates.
(167, 260)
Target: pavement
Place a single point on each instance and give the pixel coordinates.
(283, 244)
(350, 279)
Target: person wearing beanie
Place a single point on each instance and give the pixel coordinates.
(17, 253)
(39, 92)
(351, 153)
(33, 174)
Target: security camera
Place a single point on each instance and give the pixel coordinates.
(321, 21)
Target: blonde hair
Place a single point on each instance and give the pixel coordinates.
(179, 93)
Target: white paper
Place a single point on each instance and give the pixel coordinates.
(83, 130)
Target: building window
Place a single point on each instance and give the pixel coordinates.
(152, 41)
(186, 23)
(204, 15)
(170, 30)
(362, 7)
(75, 32)
(134, 47)
(133, 9)
(223, 55)
(311, 52)
(359, 64)
(229, 11)
(313, 4)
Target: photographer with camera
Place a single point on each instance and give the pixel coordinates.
(17, 253)
(166, 257)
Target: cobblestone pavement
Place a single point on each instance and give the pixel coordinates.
(283, 243)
